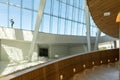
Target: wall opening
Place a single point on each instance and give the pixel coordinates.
(43, 52)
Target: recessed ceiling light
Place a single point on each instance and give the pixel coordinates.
(107, 14)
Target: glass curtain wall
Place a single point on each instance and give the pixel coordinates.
(66, 17)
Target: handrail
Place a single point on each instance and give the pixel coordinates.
(64, 68)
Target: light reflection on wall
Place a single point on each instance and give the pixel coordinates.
(27, 35)
(7, 33)
(14, 34)
(35, 56)
(14, 54)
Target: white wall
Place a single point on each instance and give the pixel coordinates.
(57, 51)
(78, 49)
(17, 42)
(45, 38)
(118, 43)
(15, 50)
(0, 49)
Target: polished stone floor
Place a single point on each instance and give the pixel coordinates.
(103, 72)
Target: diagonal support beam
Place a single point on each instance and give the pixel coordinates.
(37, 26)
(97, 40)
(87, 14)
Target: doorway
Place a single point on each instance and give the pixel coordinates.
(43, 52)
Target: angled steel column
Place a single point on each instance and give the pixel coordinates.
(37, 26)
(97, 40)
(87, 14)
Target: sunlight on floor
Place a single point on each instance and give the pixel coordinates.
(7, 68)
(17, 61)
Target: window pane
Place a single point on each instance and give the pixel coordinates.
(3, 1)
(47, 6)
(63, 10)
(54, 29)
(15, 15)
(36, 4)
(26, 19)
(93, 31)
(76, 14)
(51, 24)
(27, 4)
(62, 26)
(79, 31)
(74, 28)
(82, 4)
(3, 15)
(77, 3)
(73, 14)
(71, 2)
(46, 23)
(82, 16)
(55, 7)
(15, 2)
(68, 27)
(64, 1)
(70, 12)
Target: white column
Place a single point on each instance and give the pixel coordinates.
(87, 14)
(97, 40)
(37, 26)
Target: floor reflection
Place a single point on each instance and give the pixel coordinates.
(103, 72)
